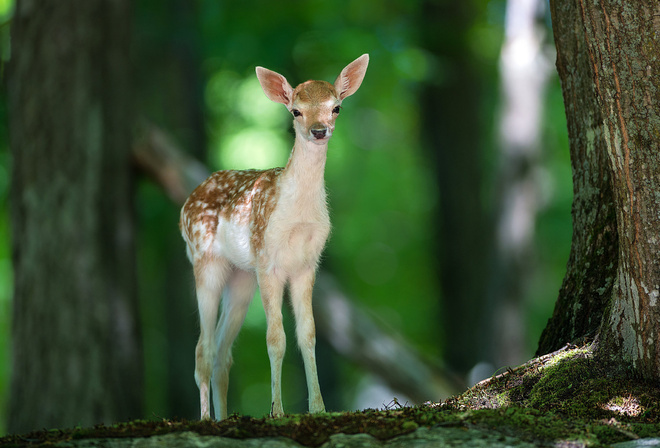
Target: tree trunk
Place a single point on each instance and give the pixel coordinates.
(610, 70)
(170, 91)
(450, 105)
(76, 347)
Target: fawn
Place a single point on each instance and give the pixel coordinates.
(244, 228)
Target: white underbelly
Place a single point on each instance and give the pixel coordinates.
(288, 248)
(233, 243)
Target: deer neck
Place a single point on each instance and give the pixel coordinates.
(303, 177)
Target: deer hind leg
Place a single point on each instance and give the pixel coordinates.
(210, 276)
(237, 295)
(301, 299)
(272, 289)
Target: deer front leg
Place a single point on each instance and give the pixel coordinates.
(272, 290)
(301, 298)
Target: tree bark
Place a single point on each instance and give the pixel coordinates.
(587, 285)
(610, 70)
(76, 347)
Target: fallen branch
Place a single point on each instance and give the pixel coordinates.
(357, 336)
(174, 171)
(346, 327)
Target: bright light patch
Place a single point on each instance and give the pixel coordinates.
(628, 406)
(6, 7)
(256, 108)
(252, 147)
(250, 129)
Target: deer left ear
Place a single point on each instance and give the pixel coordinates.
(275, 86)
(350, 79)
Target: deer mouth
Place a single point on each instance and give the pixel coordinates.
(319, 133)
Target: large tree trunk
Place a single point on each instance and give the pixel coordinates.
(76, 348)
(610, 70)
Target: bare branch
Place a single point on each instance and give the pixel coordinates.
(155, 153)
(353, 333)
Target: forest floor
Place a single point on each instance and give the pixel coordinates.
(564, 399)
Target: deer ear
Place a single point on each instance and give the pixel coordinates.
(275, 86)
(351, 77)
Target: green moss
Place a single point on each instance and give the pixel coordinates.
(561, 386)
(409, 426)
(572, 394)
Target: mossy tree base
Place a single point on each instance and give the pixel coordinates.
(570, 395)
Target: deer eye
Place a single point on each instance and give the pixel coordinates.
(336, 110)
(296, 113)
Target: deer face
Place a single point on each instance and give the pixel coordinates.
(315, 107)
(314, 104)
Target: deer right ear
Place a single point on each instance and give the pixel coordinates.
(275, 86)
(351, 77)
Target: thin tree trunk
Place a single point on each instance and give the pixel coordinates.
(610, 71)
(170, 90)
(76, 347)
(450, 105)
(524, 74)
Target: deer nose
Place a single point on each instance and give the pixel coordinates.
(318, 131)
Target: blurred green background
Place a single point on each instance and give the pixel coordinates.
(194, 78)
